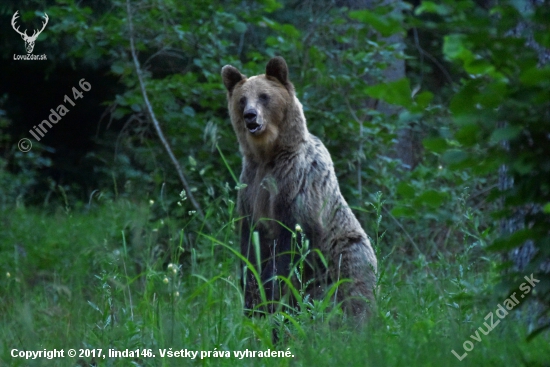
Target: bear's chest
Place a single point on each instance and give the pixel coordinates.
(259, 196)
(265, 189)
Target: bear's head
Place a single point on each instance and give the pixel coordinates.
(263, 108)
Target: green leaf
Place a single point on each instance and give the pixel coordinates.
(478, 66)
(523, 166)
(493, 94)
(405, 190)
(469, 134)
(423, 99)
(120, 113)
(535, 75)
(431, 7)
(431, 198)
(397, 92)
(240, 27)
(516, 239)
(117, 68)
(464, 102)
(546, 208)
(381, 23)
(189, 111)
(454, 48)
(121, 100)
(271, 5)
(437, 145)
(403, 211)
(505, 133)
(290, 30)
(454, 156)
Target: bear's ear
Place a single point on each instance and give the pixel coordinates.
(276, 67)
(231, 76)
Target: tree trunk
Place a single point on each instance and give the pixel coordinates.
(409, 146)
(522, 255)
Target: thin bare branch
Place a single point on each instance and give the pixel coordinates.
(153, 117)
(432, 59)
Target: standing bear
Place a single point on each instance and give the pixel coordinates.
(290, 180)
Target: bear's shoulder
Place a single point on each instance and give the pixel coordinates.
(317, 153)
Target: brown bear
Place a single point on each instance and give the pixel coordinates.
(290, 180)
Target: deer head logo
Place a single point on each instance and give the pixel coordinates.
(29, 40)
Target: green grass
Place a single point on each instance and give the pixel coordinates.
(102, 279)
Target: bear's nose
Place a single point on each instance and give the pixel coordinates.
(250, 116)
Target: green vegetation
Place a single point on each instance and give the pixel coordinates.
(101, 279)
(420, 107)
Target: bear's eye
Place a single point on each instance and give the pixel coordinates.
(242, 102)
(263, 98)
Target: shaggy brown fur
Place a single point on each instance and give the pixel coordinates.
(290, 178)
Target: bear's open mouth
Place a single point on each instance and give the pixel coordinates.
(253, 127)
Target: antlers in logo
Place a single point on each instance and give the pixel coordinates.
(29, 40)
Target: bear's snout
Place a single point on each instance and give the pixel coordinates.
(250, 116)
(251, 120)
